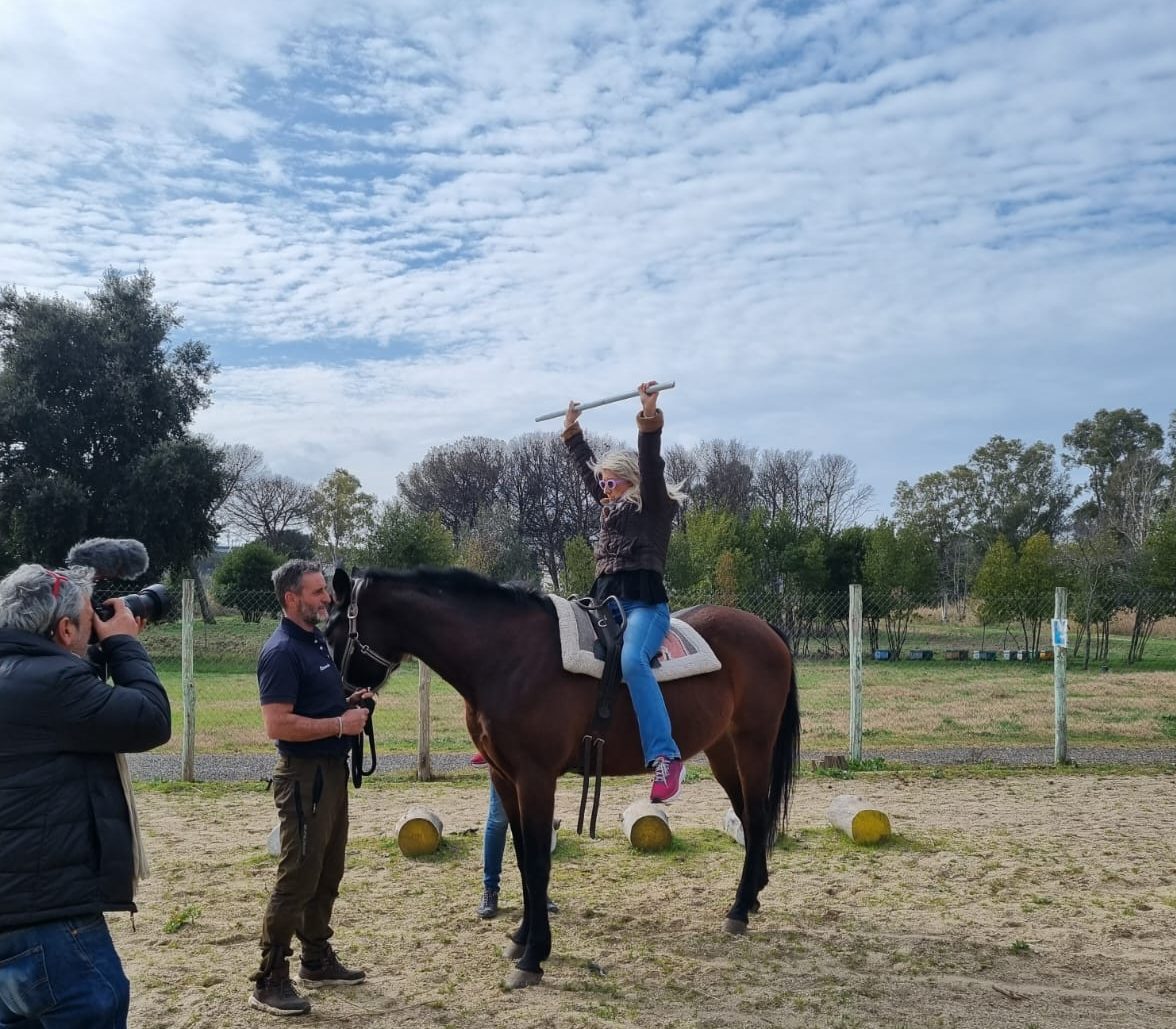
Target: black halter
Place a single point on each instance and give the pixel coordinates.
(354, 643)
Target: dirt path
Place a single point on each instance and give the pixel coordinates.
(1026, 900)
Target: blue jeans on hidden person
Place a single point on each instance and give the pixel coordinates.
(62, 975)
(644, 632)
(494, 841)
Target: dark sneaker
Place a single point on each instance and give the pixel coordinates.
(329, 971)
(668, 774)
(489, 906)
(552, 907)
(276, 994)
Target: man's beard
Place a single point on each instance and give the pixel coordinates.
(311, 615)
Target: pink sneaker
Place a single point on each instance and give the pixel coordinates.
(668, 774)
(477, 760)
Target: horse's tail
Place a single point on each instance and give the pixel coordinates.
(785, 754)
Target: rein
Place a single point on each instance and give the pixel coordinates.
(354, 644)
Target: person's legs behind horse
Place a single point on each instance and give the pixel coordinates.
(493, 845)
(645, 629)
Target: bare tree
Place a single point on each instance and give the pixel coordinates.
(780, 478)
(726, 472)
(457, 481)
(548, 500)
(832, 489)
(1136, 497)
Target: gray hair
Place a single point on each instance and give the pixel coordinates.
(27, 601)
(288, 577)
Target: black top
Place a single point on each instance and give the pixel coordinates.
(65, 830)
(295, 667)
(642, 584)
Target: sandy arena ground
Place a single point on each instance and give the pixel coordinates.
(1023, 900)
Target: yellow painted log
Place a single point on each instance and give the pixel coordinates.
(418, 832)
(647, 826)
(861, 822)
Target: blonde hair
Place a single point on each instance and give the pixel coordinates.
(625, 464)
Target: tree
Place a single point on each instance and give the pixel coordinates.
(244, 580)
(1020, 491)
(834, 497)
(1102, 442)
(265, 506)
(579, 567)
(402, 539)
(942, 506)
(1092, 566)
(95, 407)
(725, 476)
(996, 582)
(340, 515)
(548, 500)
(1019, 586)
(458, 481)
(898, 575)
(1153, 577)
(781, 479)
(492, 547)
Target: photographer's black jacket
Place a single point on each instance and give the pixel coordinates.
(65, 833)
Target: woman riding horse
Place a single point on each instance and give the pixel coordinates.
(637, 512)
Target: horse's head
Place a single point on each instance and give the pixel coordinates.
(358, 646)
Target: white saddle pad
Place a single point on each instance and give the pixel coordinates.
(684, 652)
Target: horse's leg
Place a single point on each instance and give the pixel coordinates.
(536, 798)
(721, 756)
(754, 764)
(510, 804)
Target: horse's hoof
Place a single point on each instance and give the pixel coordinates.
(520, 980)
(734, 926)
(513, 950)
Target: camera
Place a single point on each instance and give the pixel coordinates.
(151, 604)
(114, 559)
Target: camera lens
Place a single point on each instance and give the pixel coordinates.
(150, 604)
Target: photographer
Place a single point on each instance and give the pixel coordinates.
(70, 847)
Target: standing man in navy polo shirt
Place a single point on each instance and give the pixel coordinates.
(306, 712)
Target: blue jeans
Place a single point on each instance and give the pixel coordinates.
(646, 628)
(494, 841)
(62, 975)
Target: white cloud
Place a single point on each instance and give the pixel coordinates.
(881, 229)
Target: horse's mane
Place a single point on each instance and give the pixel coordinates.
(461, 583)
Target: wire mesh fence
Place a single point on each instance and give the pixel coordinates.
(940, 682)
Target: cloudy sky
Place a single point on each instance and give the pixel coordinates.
(882, 228)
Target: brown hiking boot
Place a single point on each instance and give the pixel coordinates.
(329, 971)
(276, 994)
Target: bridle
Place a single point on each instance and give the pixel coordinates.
(354, 644)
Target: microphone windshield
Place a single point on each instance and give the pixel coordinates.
(110, 559)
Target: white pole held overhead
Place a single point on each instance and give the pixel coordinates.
(657, 387)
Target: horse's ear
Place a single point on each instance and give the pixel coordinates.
(341, 586)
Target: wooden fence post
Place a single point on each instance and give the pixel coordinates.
(1061, 739)
(855, 672)
(424, 758)
(187, 682)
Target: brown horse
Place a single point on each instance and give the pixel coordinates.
(498, 646)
